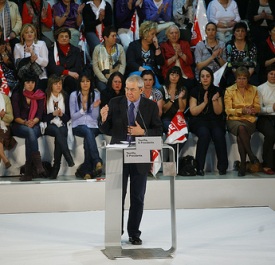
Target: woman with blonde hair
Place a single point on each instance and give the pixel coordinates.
(32, 53)
(145, 53)
(242, 104)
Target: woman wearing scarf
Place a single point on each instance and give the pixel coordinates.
(108, 57)
(10, 21)
(65, 60)
(28, 107)
(84, 109)
(6, 117)
(67, 13)
(97, 15)
(39, 13)
(57, 116)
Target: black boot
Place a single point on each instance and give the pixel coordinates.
(54, 171)
(36, 159)
(69, 158)
(28, 172)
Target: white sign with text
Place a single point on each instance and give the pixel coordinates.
(136, 156)
(149, 143)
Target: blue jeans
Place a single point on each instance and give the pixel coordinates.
(91, 155)
(31, 136)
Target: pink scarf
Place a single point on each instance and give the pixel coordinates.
(34, 96)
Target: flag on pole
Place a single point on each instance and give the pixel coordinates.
(156, 158)
(218, 75)
(177, 129)
(200, 20)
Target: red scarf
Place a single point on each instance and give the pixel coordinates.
(34, 96)
(270, 44)
(65, 48)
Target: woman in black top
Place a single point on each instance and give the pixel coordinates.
(115, 87)
(207, 121)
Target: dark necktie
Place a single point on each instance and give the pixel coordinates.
(131, 120)
(131, 114)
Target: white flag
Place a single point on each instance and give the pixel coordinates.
(218, 75)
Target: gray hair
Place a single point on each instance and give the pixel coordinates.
(136, 79)
(171, 27)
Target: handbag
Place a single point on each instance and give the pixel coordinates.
(25, 65)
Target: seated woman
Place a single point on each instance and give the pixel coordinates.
(261, 14)
(115, 87)
(267, 53)
(150, 92)
(174, 96)
(241, 106)
(39, 13)
(11, 16)
(65, 60)
(240, 51)
(206, 120)
(266, 120)
(7, 65)
(210, 52)
(97, 14)
(6, 140)
(67, 13)
(84, 109)
(57, 115)
(108, 57)
(159, 11)
(128, 16)
(183, 16)
(177, 52)
(32, 50)
(28, 106)
(145, 53)
(225, 14)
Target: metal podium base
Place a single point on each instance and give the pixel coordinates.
(113, 209)
(137, 253)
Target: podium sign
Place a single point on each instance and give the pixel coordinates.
(136, 156)
(148, 143)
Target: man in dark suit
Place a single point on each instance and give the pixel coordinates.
(116, 120)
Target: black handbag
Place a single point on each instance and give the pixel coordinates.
(25, 65)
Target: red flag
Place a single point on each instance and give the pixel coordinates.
(177, 129)
(4, 88)
(200, 20)
(156, 162)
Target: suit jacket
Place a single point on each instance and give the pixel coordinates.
(117, 121)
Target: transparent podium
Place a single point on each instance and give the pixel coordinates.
(113, 207)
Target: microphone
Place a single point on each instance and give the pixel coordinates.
(129, 137)
(145, 128)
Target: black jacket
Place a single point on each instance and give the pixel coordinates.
(117, 121)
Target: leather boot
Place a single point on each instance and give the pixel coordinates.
(54, 171)
(28, 172)
(69, 158)
(36, 159)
